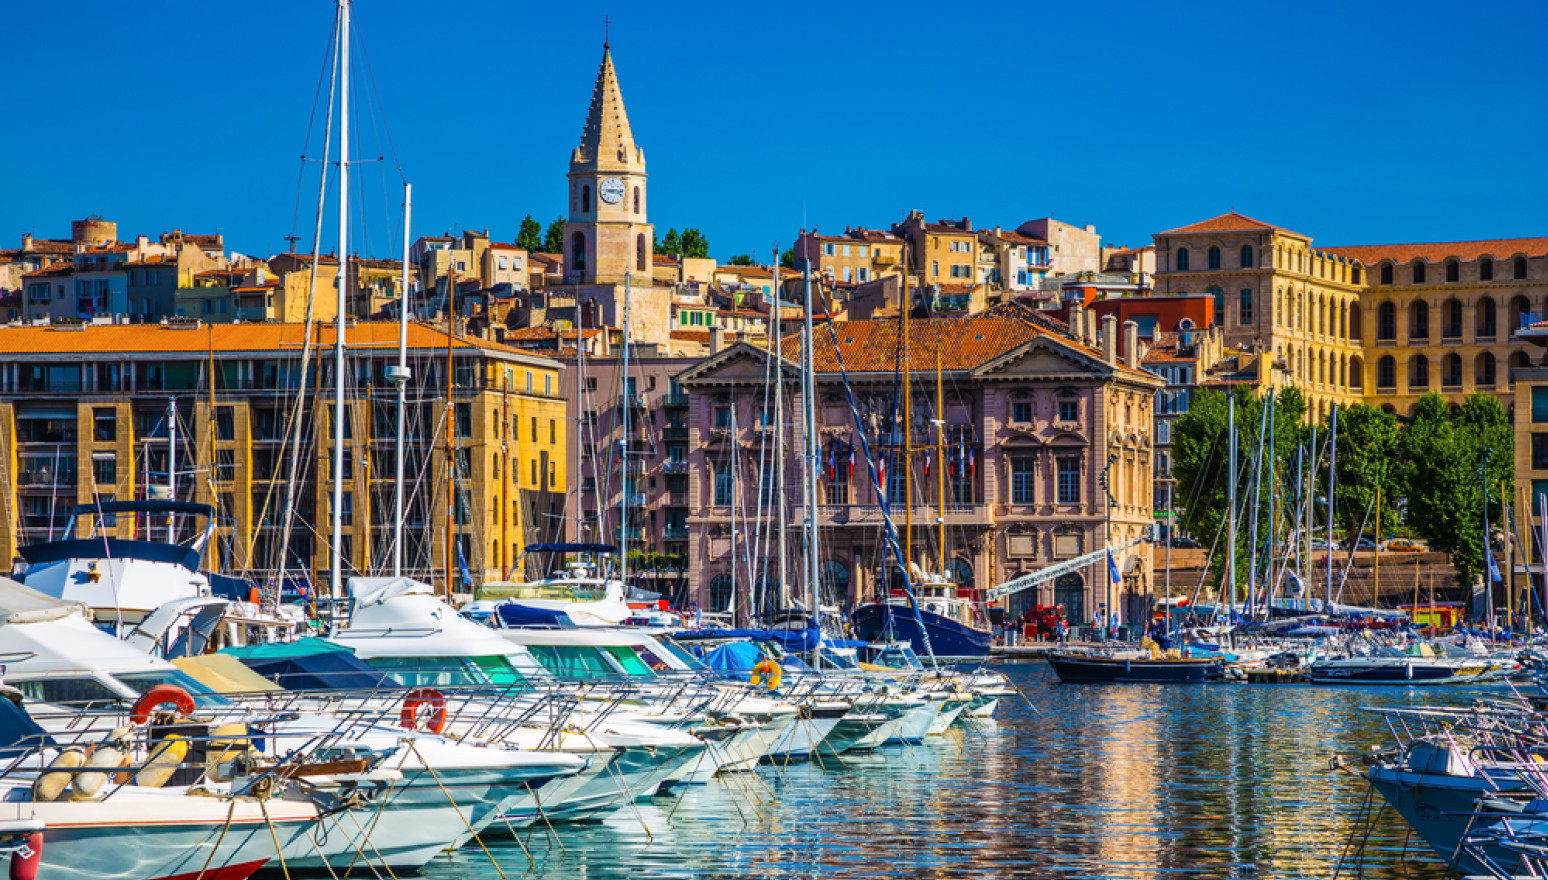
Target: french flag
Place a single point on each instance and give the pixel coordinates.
(851, 461)
(927, 463)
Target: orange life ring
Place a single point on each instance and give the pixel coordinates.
(430, 697)
(767, 671)
(159, 695)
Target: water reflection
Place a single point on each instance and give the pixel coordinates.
(1094, 782)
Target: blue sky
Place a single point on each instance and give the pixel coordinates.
(1353, 123)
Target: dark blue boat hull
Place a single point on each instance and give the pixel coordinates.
(1073, 669)
(949, 640)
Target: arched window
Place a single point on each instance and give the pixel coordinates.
(578, 252)
(1487, 318)
(1218, 296)
(1214, 257)
(585, 199)
(1453, 271)
(1386, 322)
(640, 249)
(1453, 317)
(1520, 267)
(1520, 312)
(1246, 256)
(1070, 591)
(1418, 271)
(1451, 372)
(1485, 269)
(1356, 372)
(1419, 320)
(1386, 273)
(1483, 371)
(636, 200)
(1185, 324)
(1386, 372)
(1182, 259)
(1419, 372)
(1355, 331)
(835, 582)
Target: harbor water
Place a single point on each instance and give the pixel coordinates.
(1120, 781)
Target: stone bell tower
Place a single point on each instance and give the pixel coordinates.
(607, 234)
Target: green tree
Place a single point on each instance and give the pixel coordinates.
(1449, 458)
(741, 260)
(671, 244)
(787, 259)
(553, 239)
(1368, 459)
(530, 238)
(694, 244)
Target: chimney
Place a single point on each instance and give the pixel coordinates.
(717, 339)
(1110, 339)
(1078, 320)
(1090, 332)
(1131, 354)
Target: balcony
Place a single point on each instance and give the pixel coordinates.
(676, 467)
(678, 398)
(871, 515)
(677, 499)
(674, 432)
(635, 400)
(676, 533)
(629, 533)
(636, 499)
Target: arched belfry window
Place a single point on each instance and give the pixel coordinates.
(636, 200)
(640, 249)
(585, 200)
(578, 251)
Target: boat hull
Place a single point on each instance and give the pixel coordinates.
(1073, 669)
(948, 639)
(1396, 672)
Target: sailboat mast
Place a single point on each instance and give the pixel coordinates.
(336, 559)
(1332, 478)
(810, 412)
(779, 440)
(906, 306)
(623, 452)
(1230, 583)
(401, 380)
(451, 434)
(171, 469)
(940, 470)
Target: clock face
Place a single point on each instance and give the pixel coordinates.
(611, 190)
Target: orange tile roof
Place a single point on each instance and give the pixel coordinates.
(152, 260)
(1164, 351)
(1231, 222)
(200, 339)
(52, 269)
(1435, 252)
(52, 246)
(502, 246)
(943, 229)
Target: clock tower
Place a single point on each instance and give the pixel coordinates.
(607, 234)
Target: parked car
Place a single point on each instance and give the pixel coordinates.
(1403, 545)
(1181, 542)
(1321, 544)
(1364, 545)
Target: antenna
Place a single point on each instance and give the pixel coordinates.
(606, 26)
(292, 239)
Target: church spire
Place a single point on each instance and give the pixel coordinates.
(607, 141)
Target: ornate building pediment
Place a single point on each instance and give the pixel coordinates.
(1044, 358)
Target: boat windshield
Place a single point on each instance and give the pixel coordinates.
(680, 653)
(573, 661)
(80, 693)
(898, 657)
(140, 682)
(838, 660)
(633, 664)
(449, 672)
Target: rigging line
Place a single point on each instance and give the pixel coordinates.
(370, 75)
(311, 121)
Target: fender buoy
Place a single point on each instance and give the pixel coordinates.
(159, 695)
(430, 697)
(51, 785)
(767, 672)
(163, 762)
(24, 861)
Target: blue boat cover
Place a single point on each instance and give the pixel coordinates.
(311, 664)
(734, 657)
(514, 614)
(795, 641)
(19, 734)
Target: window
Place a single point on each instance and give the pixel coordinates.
(838, 484)
(1419, 372)
(585, 199)
(1539, 404)
(1218, 296)
(534, 429)
(1486, 318)
(1245, 307)
(1453, 372)
(1386, 321)
(104, 425)
(1246, 256)
(465, 420)
(935, 267)
(722, 416)
(1519, 265)
(1453, 328)
(1386, 372)
(1182, 259)
(1021, 411)
(1539, 452)
(225, 423)
(553, 431)
(1419, 321)
(1069, 411)
(502, 262)
(1386, 273)
(1418, 272)
(1355, 274)
(1483, 372)
(1214, 257)
(1023, 489)
(578, 252)
(636, 200)
(639, 252)
(1485, 269)
(1069, 480)
(1452, 270)
(723, 481)
(896, 484)
(104, 469)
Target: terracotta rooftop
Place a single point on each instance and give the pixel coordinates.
(59, 269)
(1164, 350)
(1232, 222)
(52, 246)
(201, 339)
(945, 229)
(153, 260)
(502, 246)
(1014, 237)
(1435, 252)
